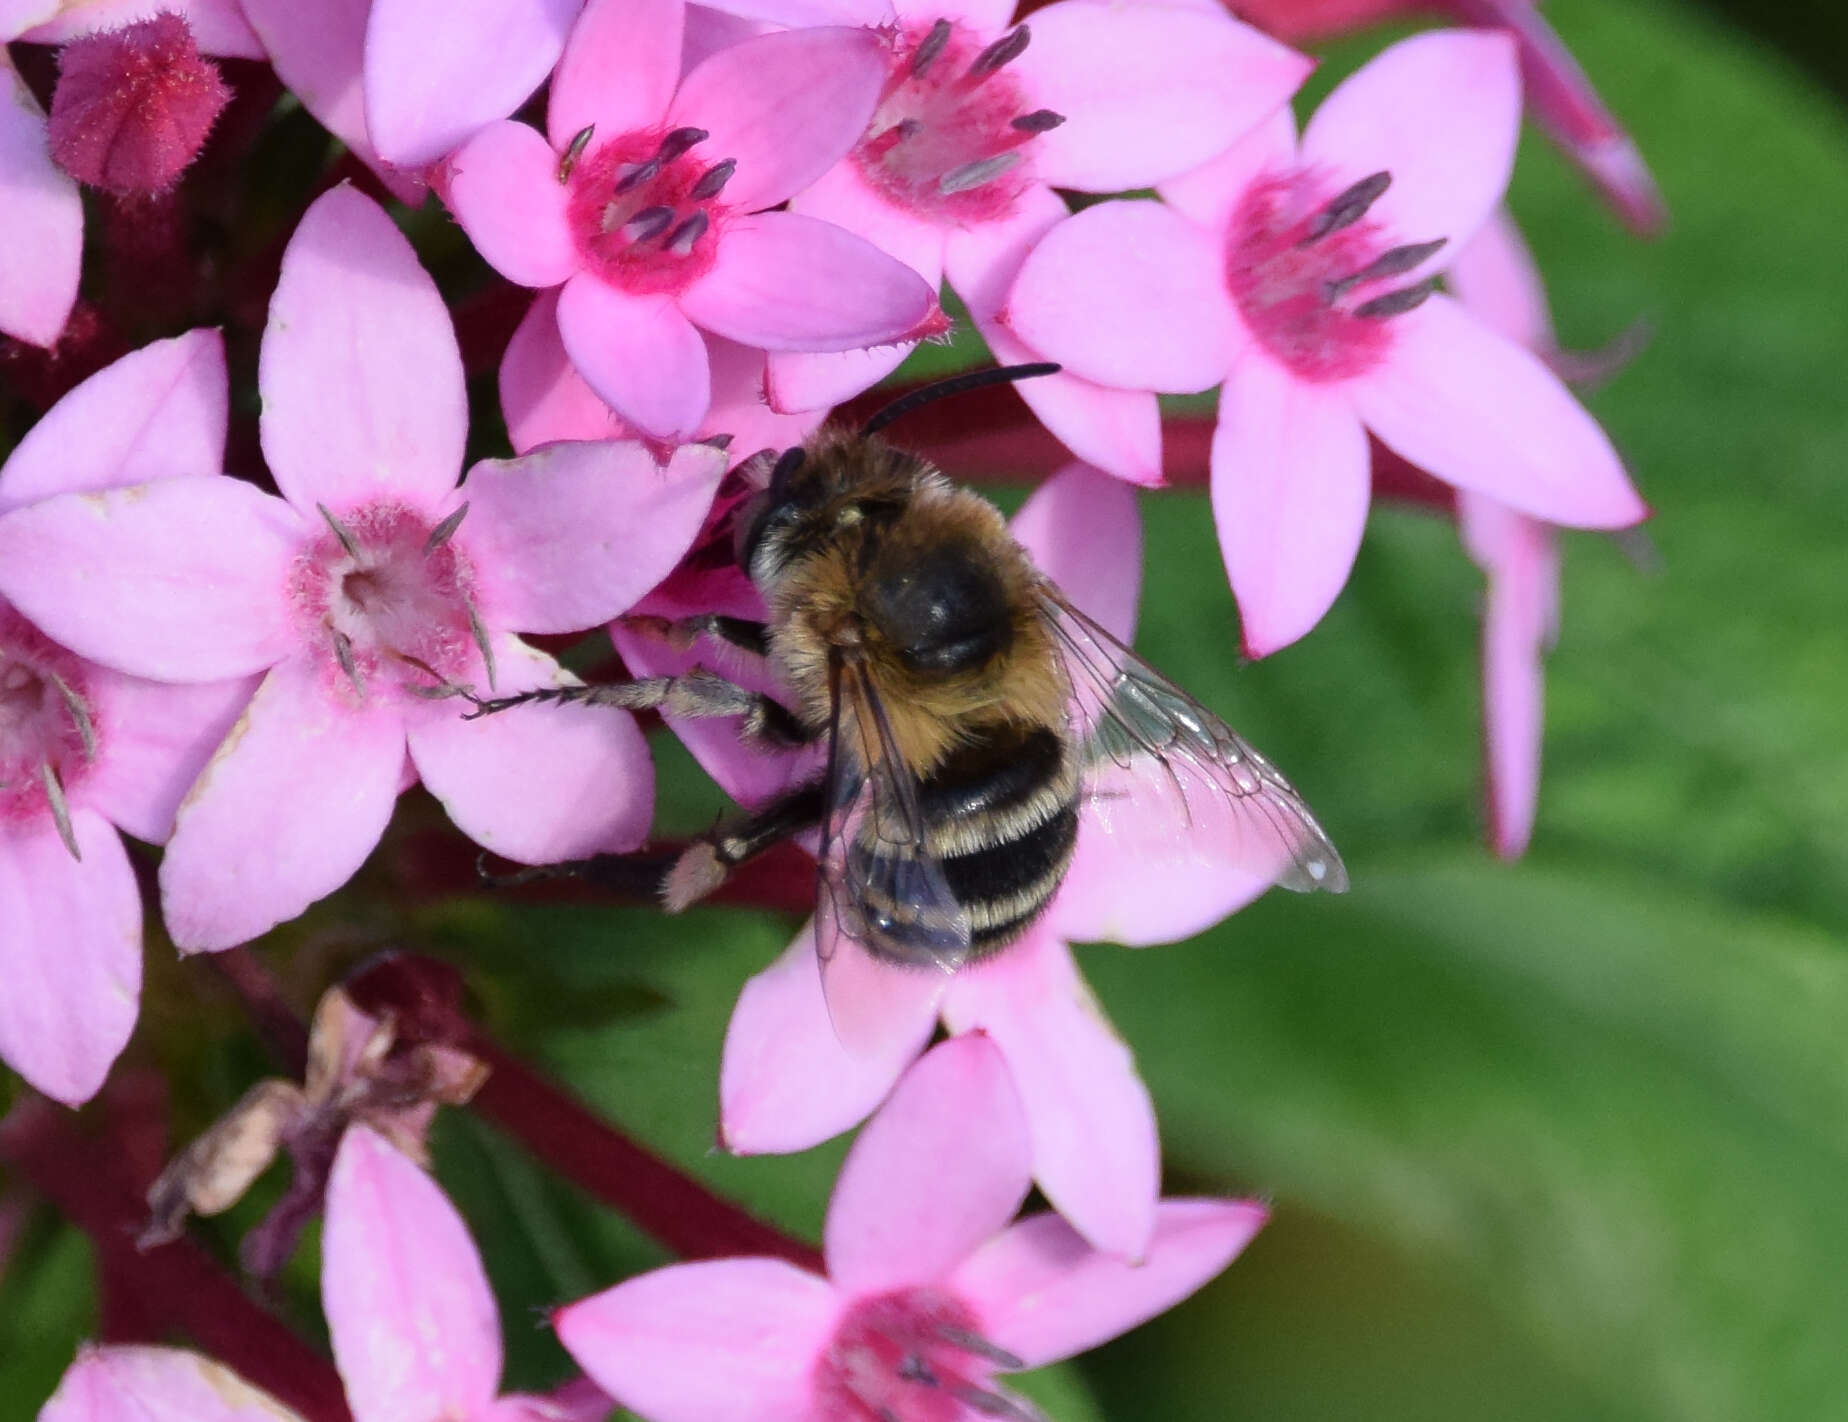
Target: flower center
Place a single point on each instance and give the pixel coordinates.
(644, 210)
(48, 726)
(388, 599)
(913, 1356)
(949, 139)
(1310, 273)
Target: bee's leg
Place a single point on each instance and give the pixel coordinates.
(683, 632)
(693, 694)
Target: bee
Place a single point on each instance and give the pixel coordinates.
(969, 713)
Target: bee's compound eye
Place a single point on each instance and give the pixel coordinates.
(943, 612)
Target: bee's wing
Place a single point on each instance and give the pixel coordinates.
(888, 930)
(1156, 760)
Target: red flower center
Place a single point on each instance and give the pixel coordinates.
(389, 601)
(645, 210)
(949, 139)
(912, 1356)
(48, 723)
(1310, 271)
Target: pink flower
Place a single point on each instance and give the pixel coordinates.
(362, 589)
(150, 1384)
(930, 1289)
(1299, 276)
(84, 750)
(787, 1082)
(979, 122)
(647, 205)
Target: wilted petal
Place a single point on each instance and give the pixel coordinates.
(1480, 412)
(786, 282)
(285, 813)
(1290, 495)
(1043, 1294)
(728, 1340)
(1441, 112)
(414, 1326)
(154, 413)
(139, 1384)
(537, 784)
(1131, 295)
(639, 353)
(1085, 533)
(787, 106)
(785, 1081)
(434, 76)
(619, 70)
(70, 953)
(181, 580)
(1096, 1155)
(41, 222)
(503, 187)
(891, 1224)
(571, 535)
(1147, 91)
(160, 736)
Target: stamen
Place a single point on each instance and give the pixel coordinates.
(480, 634)
(340, 531)
(650, 222)
(60, 808)
(1394, 261)
(636, 176)
(678, 142)
(713, 180)
(574, 150)
(930, 47)
(717, 441)
(445, 530)
(1346, 207)
(1397, 303)
(1039, 121)
(343, 653)
(973, 175)
(974, 1343)
(1003, 51)
(680, 241)
(80, 714)
(913, 1369)
(997, 1404)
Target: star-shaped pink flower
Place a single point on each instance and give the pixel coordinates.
(930, 1289)
(1301, 276)
(647, 204)
(371, 582)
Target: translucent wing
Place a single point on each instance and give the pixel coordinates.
(1165, 773)
(888, 930)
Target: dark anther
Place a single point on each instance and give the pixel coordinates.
(973, 175)
(680, 241)
(79, 714)
(717, 441)
(996, 1404)
(907, 128)
(913, 1369)
(1003, 51)
(678, 142)
(340, 531)
(1397, 303)
(649, 222)
(974, 1343)
(1393, 262)
(930, 47)
(1346, 207)
(713, 179)
(1039, 121)
(445, 530)
(636, 176)
(574, 150)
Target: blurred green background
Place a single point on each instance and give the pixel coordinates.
(1566, 1139)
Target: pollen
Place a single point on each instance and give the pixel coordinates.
(646, 208)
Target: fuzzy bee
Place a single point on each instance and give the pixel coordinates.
(969, 712)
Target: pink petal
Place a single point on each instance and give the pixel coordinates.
(70, 952)
(18, 16)
(286, 812)
(785, 1081)
(985, 17)
(180, 580)
(1084, 531)
(156, 737)
(873, 1004)
(728, 1340)
(619, 71)
(156, 412)
(1117, 430)
(218, 26)
(414, 1326)
(542, 396)
(1480, 412)
(434, 76)
(540, 783)
(503, 187)
(1043, 1294)
(360, 376)
(571, 535)
(1096, 1155)
(639, 353)
(787, 106)
(802, 14)
(142, 1384)
(1207, 195)
(791, 283)
(1495, 277)
(892, 1224)
(1147, 91)
(1128, 294)
(41, 222)
(742, 406)
(1290, 494)
(1441, 112)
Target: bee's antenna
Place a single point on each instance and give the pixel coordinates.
(955, 385)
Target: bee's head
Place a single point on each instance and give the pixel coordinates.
(763, 522)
